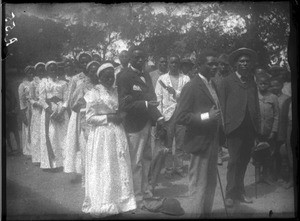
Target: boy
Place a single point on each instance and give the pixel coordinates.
(269, 114)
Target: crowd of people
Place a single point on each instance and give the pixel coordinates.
(117, 127)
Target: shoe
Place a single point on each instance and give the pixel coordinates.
(229, 202)
(244, 199)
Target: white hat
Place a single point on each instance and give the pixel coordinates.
(104, 66)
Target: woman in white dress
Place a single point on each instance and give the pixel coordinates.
(108, 176)
(53, 96)
(77, 104)
(35, 125)
(72, 154)
(25, 109)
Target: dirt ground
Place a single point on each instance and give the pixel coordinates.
(35, 194)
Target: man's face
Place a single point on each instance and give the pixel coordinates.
(243, 64)
(138, 59)
(211, 66)
(162, 64)
(40, 70)
(174, 64)
(124, 59)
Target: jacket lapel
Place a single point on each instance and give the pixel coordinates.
(236, 79)
(204, 88)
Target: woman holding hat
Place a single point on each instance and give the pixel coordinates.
(108, 178)
(36, 108)
(75, 154)
(53, 96)
(72, 139)
(25, 109)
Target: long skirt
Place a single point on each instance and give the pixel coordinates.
(53, 141)
(72, 154)
(36, 134)
(108, 175)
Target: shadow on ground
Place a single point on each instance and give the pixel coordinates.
(22, 203)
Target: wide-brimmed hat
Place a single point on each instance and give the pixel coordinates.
(239, 52)
(223, 58)
(172, 207)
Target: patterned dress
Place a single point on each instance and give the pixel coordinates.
(23, 90)
(72, 158)
(108, 176)
(53, 94)
(35, 125)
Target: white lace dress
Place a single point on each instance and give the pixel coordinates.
(24, 89)
(108, 176)
(35, 125)
(53, 142)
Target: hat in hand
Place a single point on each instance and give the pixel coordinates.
(262, 146)
(172, 207)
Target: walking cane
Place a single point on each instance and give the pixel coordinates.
(222, 192)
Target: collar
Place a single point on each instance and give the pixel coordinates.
(135, 70)
(203, 78)
(237, 74)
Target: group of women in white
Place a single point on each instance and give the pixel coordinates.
(73, 122)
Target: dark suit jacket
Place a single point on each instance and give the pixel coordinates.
(195, 99)
(133, 93)
(235, 97)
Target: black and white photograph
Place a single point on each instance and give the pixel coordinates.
(149, 110)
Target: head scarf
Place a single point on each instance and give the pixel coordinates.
(38, 64)
(91, 63)
(81, 54)
(103, 67)
(49, 63)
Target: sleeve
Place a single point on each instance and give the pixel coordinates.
(127, 102)
(159, 95)
(70, 90)
(22, 97)
(77, 101)
(185, 115)
(276, 115)
(186, 79)
(91, 111)
(43, 96)
(32, 97)
(65, 95)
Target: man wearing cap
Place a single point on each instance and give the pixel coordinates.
(137, 99)
(240, 106)
(25, 108)
(199, 110)
(72, 153)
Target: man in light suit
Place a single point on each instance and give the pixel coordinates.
(138, 100)
(240, 106)
(198, 109)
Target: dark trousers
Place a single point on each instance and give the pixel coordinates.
(240, 144)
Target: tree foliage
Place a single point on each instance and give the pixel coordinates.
(47, 31)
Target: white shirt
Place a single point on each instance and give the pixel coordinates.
(167, 103)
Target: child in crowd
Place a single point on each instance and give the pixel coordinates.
(268, 104)
(276, 85)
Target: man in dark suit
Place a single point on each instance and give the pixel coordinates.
(239, 102)
(198, 110)
(138, 100)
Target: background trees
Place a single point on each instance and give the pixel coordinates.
(48, 31)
